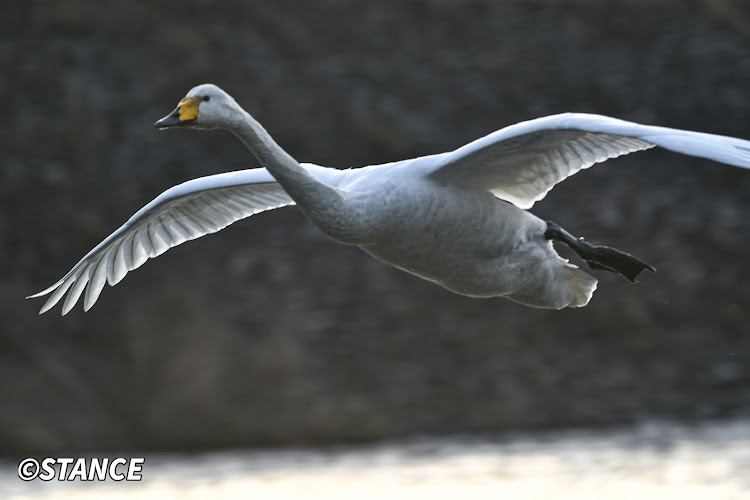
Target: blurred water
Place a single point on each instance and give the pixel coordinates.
(656, 460)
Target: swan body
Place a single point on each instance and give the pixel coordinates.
(457, 219)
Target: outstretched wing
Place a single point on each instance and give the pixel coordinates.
(523, 162)
(184, 212)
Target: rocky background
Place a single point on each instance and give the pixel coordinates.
(268, 333)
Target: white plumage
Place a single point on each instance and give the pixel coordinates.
(442, 217)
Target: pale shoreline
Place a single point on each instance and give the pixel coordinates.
(710, 460)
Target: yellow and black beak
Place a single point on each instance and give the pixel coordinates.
(184, 115)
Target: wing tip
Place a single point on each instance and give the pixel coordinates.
(50, 303)
(89, 303)
(46, 291)
(46, 307)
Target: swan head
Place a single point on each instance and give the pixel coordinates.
(204, 107)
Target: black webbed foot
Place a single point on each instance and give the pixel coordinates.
(599, 256)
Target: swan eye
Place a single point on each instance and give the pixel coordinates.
(206, 98)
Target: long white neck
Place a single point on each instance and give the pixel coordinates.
(321, 202)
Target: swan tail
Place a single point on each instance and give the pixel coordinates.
(583, 285)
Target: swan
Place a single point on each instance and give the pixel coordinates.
(458, 219)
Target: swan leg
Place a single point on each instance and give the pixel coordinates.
(598, 256)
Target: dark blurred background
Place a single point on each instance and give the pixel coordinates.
(268, 333)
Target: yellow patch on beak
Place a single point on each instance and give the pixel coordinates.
(189, 108)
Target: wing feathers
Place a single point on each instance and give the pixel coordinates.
(140, 253)
(62, 287)
(98, 279)
(75, 291)
(528, 176)
(521, 163)
(526, 171)
(183, 213)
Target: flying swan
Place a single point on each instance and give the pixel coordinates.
(457, 219)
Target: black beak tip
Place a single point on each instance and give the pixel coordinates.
(172, 120)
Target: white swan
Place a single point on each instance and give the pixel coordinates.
(456, 219)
